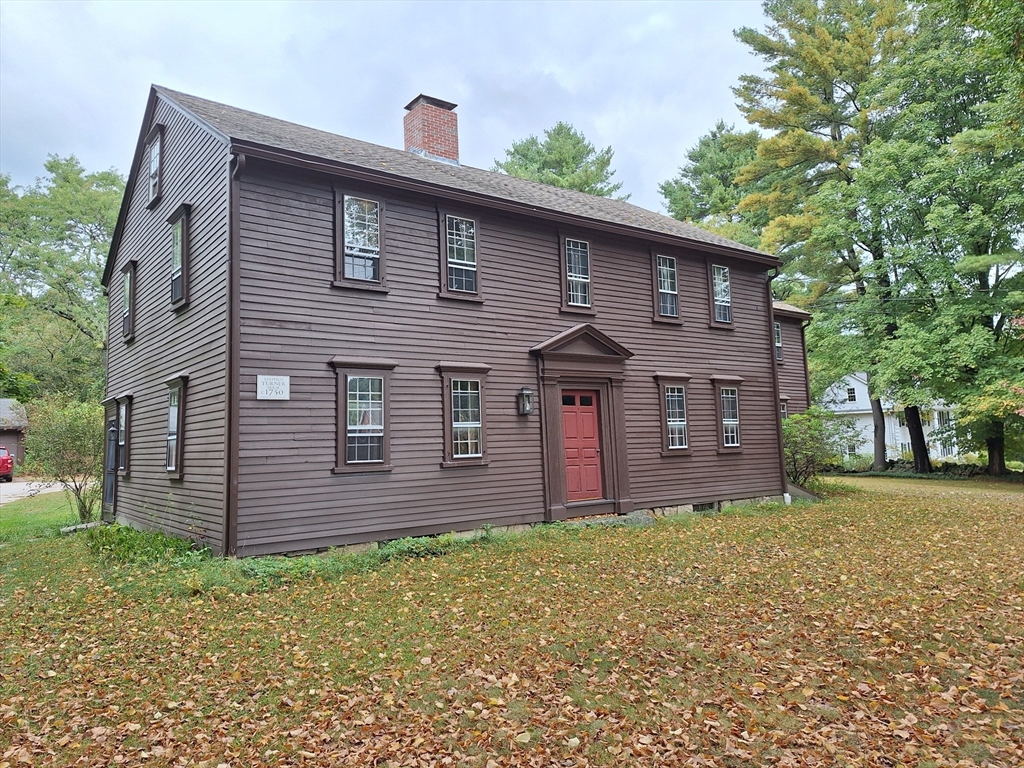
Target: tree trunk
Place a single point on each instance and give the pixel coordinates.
(922, 464)
(881, 462)
(996, 453)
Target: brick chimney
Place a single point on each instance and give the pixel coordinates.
(432, 129)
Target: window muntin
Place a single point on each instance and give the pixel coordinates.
(778, 342)
(851, 395)
(675, 417)
(668, 289)
(362, 239)
(364, 432)
(722, 293)
(730, 399)
(460, 249)
(577, 272)
(467, 422)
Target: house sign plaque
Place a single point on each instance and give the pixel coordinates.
(273, 387)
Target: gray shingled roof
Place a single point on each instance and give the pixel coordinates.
(781, 306)
(245, 126)
(12, 414)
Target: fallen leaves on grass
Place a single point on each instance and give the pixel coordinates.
(875, 630)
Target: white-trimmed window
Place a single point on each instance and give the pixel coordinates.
(362, 253)
(668, 288)
(460, 241)
(128, 300)
(153, 163)
(851, 395)
(577, 272)
(175, 425)
(675, 417)
(364, 431)
(778, 342)
(467, 419)
(784, 409)
(124, 416)
(730, 410)
(721, 293)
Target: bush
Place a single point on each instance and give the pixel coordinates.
(64, 443)
(124, 544)
(812, 442)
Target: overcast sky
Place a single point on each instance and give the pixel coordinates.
(646, 78)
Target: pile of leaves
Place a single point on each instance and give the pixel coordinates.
(875, 629)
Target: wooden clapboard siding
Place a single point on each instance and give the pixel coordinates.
(793, 381)
(293, 322)
(167, 342)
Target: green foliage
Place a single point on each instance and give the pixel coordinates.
(705, 191)
(812, 442)
(39, 516)
(54, 239)
(124, 544)
(563, 159)
(64, 443)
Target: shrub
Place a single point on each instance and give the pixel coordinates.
(124, 544)
(64, 443)
(812, 442)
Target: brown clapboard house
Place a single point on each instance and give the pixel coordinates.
(316, 341)
(791, 357)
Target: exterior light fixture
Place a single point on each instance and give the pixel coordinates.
(524, 401)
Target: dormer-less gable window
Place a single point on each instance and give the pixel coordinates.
(128, 301)
(180, 255)
(778, 342)
(153, 163)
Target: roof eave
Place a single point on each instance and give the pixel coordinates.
(323, 165)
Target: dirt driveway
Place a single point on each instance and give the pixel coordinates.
(21, 490)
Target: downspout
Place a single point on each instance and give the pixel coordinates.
(772, 274)
(803, 347)
(232, 360)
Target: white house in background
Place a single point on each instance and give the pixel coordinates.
(849, 398)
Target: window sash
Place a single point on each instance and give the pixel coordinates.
(778, 341)
(173, 420)
(460, 236)
(784, 410)
(675, 417)
(154, 167)
(467, 424)
(364, 432)
(730, 417)
(851, 395)
(722, 293)
(668, 289)
(362, 239)
(577, 271)
(126, 294)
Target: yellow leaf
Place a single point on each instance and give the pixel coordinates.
(523, 737)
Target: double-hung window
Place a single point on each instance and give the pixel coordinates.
(851, 395)
(675, 436)
(154, 163)
(721, 292)
(128, 300)
(465, 413)
(123, 425)
(730, 417)
(778, 342)
(364, 388)
(179, 222)
(727, 408)
(175, 445)
(359, 238)
(668, 288)
(577, 273)
(460, 255)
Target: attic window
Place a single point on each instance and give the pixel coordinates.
(153, 163)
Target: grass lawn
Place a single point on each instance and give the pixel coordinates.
(884, 627)
(41, 515)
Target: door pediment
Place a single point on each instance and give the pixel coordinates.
(581, 342)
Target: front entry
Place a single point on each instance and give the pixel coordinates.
(110, 472)
(582, 445)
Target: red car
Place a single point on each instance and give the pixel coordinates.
(6, 464)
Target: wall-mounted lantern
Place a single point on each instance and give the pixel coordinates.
(524, 401)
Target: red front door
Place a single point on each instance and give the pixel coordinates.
(582, 446)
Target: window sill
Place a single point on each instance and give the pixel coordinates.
(370, 287)
(736, 449)
(721, 326)
(567, 309)
(175, 475)
(156, 199)
(677, 452)
(129, 338)
(178, 306)
(361, 469)
(662, 319)
(473, 298)
(474, 462)
(124, 473)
